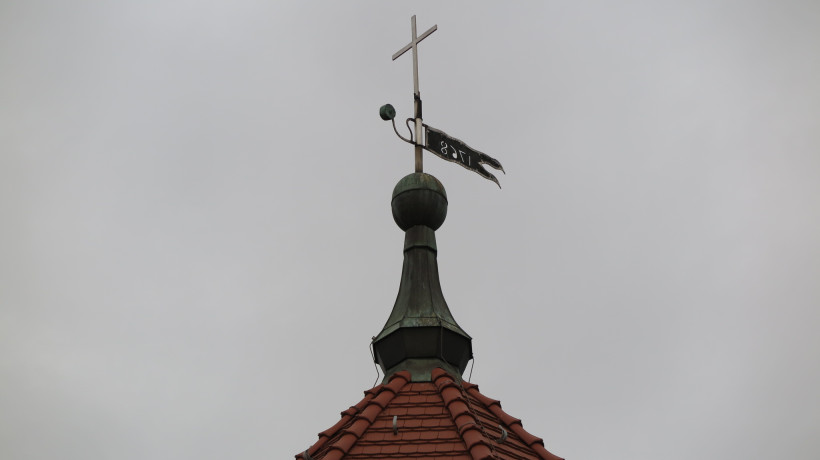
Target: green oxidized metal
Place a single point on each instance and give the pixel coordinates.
(421, 333)
(387, 112)
(419, 199)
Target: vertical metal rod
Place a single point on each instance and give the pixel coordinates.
(419, 168)
(413, 45)
(414, 41)
(417, 96)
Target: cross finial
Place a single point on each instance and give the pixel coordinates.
(414, 41)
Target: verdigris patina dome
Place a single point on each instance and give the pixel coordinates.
(419, 199)
(421, 334)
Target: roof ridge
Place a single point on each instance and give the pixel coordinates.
(468, 426)
(515, 425)
(480, 423)
(375, 400)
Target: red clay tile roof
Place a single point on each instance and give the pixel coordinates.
(438, 420)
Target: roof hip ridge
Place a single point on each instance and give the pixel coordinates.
(378, 397)
(469, 426)
(515, 424)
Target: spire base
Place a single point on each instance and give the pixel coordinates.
(421, 370)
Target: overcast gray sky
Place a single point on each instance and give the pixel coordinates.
(196, 243)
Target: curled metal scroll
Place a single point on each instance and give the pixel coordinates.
(407, 123)
(388, 112)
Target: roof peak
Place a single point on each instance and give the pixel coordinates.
(440, 417)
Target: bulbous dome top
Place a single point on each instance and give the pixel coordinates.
(419, 199)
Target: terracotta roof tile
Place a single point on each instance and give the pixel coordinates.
(427, 448)
(442, 419)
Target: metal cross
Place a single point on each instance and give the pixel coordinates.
(414, 41)
(413, 45)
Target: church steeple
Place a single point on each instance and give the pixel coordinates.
(421, 333)
(424, 409)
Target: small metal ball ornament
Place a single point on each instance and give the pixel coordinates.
(387, 112)
(419, 199)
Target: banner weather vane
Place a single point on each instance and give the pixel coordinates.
(436, 142)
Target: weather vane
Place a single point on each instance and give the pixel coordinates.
(436, 142)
